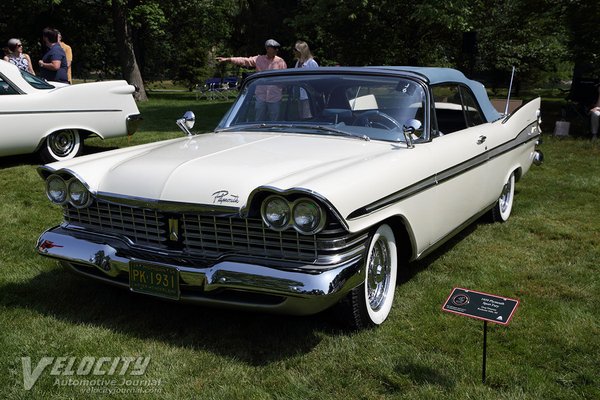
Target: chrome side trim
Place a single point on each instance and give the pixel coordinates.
(522, 138)
(58, 112)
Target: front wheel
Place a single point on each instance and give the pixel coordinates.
(61, 145)
(502, 209)
(371, 302)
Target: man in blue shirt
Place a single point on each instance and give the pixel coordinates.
(53, 66)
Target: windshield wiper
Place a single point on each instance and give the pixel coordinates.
(322, 128)
(332, 129)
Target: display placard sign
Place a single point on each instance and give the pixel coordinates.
(483, 306)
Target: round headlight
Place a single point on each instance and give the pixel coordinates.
(276, 212)
(79, 196)
(56, 189)
(308, 216)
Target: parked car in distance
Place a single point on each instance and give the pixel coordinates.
(316, 186)
(53, 119)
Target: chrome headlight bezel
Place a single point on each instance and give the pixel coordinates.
(60, 200)
(72, 190)
(289, 214)
(286, 213)
(78, 202)
(318, 215)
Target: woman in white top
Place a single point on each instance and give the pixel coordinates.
(304, 59)
(304, 56)
(17, 57)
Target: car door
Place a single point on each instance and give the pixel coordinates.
(458, 150)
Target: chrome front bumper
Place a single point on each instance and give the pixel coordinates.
(300, 291)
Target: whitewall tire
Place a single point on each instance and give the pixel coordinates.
(371, 302)
(502, 209)
(61, 145)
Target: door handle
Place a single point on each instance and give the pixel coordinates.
(481, 139)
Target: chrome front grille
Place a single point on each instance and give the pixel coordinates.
(213, 237)
(141, 226)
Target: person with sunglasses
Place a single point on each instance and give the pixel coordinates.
(17, 57)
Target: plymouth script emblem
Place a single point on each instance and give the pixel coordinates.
(223, 196)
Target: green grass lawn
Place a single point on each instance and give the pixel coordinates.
(547, 256)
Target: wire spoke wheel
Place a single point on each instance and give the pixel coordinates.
(378, 274)
(370, 303)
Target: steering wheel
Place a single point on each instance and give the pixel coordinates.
(377, 119)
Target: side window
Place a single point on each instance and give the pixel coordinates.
(5, 88)
(472, 112)
(455, 108)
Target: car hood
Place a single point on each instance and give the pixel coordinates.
(224, 168)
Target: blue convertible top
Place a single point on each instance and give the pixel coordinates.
(436, 75)
(431, 75)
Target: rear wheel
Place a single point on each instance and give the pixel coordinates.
(61, 145)
(371, 302)
(502, 209)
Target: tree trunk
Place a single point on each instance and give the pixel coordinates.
(129, 65)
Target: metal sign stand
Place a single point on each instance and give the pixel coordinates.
(484, 351)
(482, 306)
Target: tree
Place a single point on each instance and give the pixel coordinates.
(129, 65)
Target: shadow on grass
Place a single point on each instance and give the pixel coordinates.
(253, 338)
(415, 267)
(22, 159)
(34, 159)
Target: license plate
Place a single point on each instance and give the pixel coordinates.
(152, 279)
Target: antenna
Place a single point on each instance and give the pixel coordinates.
(509, 90)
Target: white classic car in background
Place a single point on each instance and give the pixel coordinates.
(54, 119)
(314, 189)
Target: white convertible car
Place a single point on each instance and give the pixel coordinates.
(53, 118)
(313, 190)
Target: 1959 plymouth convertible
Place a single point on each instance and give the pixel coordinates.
(316, 186)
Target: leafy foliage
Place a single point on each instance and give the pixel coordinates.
(178, 40)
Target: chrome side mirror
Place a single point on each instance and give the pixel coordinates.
(410, 127)
(186, 123)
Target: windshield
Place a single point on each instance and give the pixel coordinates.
(369, 107)
(35, 81)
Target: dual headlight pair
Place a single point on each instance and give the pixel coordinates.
(61, 191)
(304, 215)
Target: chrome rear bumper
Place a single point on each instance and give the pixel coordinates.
(300, 291)
(133, 122)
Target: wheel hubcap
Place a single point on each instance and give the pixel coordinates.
(378, 274)
(62, 143)
(506, 196)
